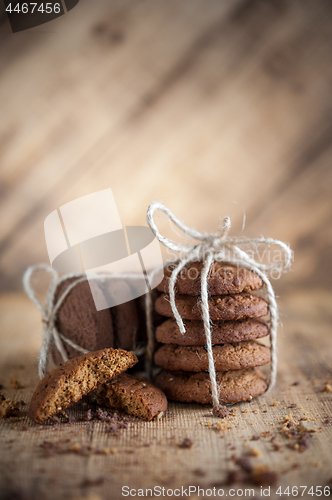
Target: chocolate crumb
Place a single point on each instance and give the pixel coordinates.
(187, 443)
(220, 411)
(243, 463)
(236, 476)
(54, 420)
(304, 441)
(93, 482)
(88, 415)
(297, 382)
(50, 448)
(255, 437)
(199, 472)
(262, 476)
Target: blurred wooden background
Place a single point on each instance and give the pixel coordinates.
(214, 107)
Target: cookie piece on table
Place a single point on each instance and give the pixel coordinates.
(76, 378)
(79, 320)
(223, 307)
(235, 356)
(234, 386)
(221, 332)
(222, 279)
(134, 395)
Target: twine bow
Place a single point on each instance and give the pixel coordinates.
(220, 247)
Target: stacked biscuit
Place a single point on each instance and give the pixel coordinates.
(234, 313)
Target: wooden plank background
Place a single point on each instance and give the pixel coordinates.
(213, 107)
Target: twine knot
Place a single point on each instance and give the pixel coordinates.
(219, 246)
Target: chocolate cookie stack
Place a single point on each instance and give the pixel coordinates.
(79, 321)
(233, 313)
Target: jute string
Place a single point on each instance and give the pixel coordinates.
(216, 246)
(219, 246)
(50, 309)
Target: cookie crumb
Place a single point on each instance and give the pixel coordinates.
(305, 426)
(221, 426)
(88, 415)
(328, 387)
(261, 476)
(220, 411)
(255, 452)
(276, 403)
(199, 472)
(187, 443)
(8, 407)
(15, 383)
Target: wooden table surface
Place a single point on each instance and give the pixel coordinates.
(148, 454)
(213, 107)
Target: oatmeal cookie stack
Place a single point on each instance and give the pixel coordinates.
(235, 328)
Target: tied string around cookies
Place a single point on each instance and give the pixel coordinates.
(50, 308)
(220, 247)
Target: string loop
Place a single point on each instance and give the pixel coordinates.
(219, 246)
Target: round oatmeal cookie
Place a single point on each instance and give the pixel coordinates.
(223, 279)
(234, 386)
(235, 356)
(221, 332)
(224, 307)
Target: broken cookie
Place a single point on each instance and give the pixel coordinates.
(76, 378)
(134, 395)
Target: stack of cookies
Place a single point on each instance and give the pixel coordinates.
(234, 313)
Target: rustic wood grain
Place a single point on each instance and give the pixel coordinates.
(147, 454)
(212, 107)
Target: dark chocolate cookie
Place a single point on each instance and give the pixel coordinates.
(235, 356)
(125, 318)
(134, 395)
(224, 307)
(234, 386)
(221, 332)
(79, 320)
(222, 279)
